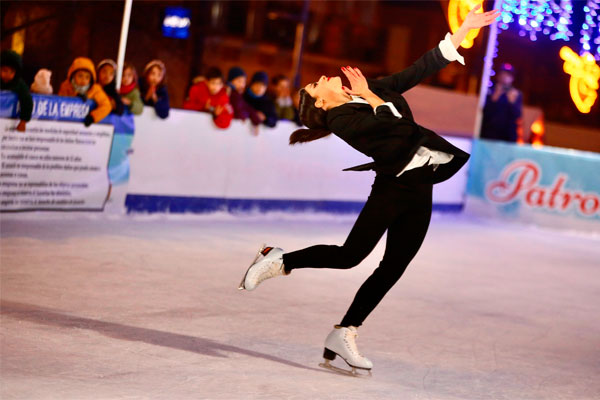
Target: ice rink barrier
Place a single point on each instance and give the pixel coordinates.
(546, 186)
(185, 164)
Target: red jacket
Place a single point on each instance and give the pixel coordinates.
(199, 98)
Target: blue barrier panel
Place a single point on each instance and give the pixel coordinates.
(546, 186)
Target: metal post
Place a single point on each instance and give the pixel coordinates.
(299, 43)
(123, 41)
(487, 67)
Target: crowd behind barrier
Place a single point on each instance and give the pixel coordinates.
(261, 101)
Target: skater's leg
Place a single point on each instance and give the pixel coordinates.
(404, 239)
(376, 216)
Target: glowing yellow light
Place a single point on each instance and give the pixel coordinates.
(584, 78)
(457, 12)
(537, 132)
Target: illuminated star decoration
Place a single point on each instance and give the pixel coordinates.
(549, 17)
(457, 12)
(585, 74)
(590, 29)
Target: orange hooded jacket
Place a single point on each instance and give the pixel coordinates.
(95, 91)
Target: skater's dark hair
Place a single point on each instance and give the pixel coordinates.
(315, 119)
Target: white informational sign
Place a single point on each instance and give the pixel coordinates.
(54, 165)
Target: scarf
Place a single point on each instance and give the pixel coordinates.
(80, 89)
(125, 89)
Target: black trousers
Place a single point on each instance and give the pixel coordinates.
(400, 205)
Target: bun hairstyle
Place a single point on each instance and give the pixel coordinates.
(315, 119)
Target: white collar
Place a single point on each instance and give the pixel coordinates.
(358, 99)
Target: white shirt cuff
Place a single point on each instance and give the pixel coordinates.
(391, 107)
(448, 50)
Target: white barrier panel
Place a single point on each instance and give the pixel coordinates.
(54, 165)
(186, 160)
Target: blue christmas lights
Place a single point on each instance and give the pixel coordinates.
(549, 17)
(553, 18)
(590, 29)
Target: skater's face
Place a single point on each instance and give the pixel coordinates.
(328, 92)
(106, 75)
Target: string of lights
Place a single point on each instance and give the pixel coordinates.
(590, 29)
(548, 17)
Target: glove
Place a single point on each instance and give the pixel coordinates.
(88, 120)
(120, 109)
(82, 96)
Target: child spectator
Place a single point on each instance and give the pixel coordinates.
(11, 66)
(106, 78)
(284, 106)
(236, 79)
(211, 96)
(80, 82)
(256, 96)
(41, 82)
(153, 88)
(130, 94)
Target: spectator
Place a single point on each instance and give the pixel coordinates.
(503, 108)
(129, 91)
(153, 88)
(211, 96)
(81, 82)
(41, 82)
(106, 78)
(256, 96)
(11, 66)
(284, 107)
(241, 110)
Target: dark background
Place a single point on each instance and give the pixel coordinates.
(380, 37)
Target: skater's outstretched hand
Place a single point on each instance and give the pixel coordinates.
(475, 20)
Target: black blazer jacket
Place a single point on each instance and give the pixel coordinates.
(390, 141)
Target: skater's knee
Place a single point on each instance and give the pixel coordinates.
(350, 259)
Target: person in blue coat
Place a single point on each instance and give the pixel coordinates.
(374, 118)
(154, 89)
(256, 96)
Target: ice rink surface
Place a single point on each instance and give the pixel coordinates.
(148, 308)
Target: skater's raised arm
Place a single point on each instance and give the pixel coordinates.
(441, 55)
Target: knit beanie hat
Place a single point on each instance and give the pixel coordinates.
(106, 61)
(235, 72)
(155, 63)
(506, 67)
(41, 82)
(11, 59)
(260, 76)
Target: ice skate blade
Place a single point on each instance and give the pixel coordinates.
(353, 373)
(242, 283)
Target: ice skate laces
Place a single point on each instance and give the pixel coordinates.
(270, 270)
(350, 340)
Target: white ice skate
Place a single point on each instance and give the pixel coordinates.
(342, 342)
(268, 263)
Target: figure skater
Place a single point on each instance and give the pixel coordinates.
(375, 119)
